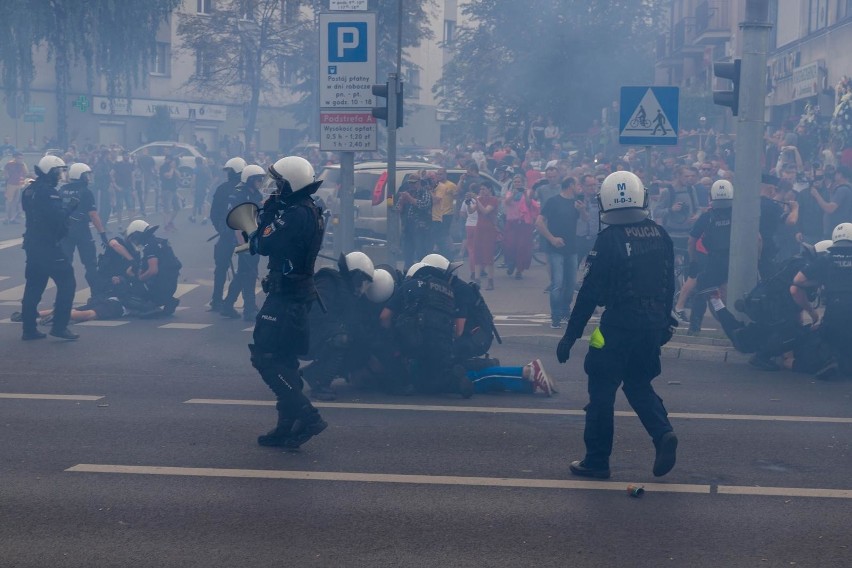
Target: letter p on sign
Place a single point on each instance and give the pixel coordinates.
(347, 42)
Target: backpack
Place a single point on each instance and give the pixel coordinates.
(479, 325)
(426, 321)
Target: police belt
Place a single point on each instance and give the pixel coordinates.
(296, 284)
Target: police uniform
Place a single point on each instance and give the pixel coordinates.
(79, 235)
(713, 227)
(161, 288)
(227, 241)
(46, 225)
(245, 279)
(424, 323)
(478, 333)
(290, 233)
(630, 272)
(834, 271)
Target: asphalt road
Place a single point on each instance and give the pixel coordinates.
(135, 446)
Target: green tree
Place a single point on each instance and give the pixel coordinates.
(243, 49)
(559, 58)
(19, 31)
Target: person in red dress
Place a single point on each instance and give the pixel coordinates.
(486, 233)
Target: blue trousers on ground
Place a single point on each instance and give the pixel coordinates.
(492, 379)
(563, 274)
(631, 357)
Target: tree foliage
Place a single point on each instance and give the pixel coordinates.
(559, 58)
(110, 39)
(242, 50)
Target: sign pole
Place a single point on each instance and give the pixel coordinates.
(344, 240)
(750, 125)
(393, 221)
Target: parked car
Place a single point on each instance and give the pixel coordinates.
(185, 154)
(371, 220)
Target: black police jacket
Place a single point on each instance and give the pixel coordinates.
(219, 208)
(47, 220)
(290, 233)
(630, 271)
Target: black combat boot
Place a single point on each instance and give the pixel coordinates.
(306, 426)
(278, 435)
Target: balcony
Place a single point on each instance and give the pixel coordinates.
(712, 22)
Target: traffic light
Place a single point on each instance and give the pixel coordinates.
(382, 111)
(730, 71)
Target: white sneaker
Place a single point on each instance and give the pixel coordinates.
(540, 379)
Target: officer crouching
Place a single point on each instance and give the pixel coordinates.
(290, 231)
(47, 224)
(630, 271)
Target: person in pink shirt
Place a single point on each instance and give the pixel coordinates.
(521, 212)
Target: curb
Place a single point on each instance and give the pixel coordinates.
(672, 350)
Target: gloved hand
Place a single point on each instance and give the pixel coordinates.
(104, 239)
(669, 331)
(253, 241)
(563, 350)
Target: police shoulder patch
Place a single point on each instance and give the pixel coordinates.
(268, 230)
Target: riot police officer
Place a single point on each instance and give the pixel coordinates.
(245, 280)
(224, 247)
(629, 272)
(332, 328)
(290, 231)
(79, 235)
(47, 224)
(833, 271)
(713, 227)
(158, 268)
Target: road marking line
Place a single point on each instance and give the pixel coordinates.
(17, 293)
(517, 410)
(11, 243)
(49, 396)
(383, 478)
(786, 491)
(183, 289)
(4, 277)
(519, 324)
(103, 323)
(185, 325)
(249, 328)
(81, 296)
(449, 480)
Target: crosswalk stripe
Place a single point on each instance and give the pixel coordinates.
(185, 325)
(17, 395)
(11, 243)
(103, 323)
(17, 293)
(4, 277)
(184, 288)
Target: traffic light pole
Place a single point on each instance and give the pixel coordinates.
(393, 222)
(748, 146)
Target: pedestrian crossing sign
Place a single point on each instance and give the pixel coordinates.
(648, 116)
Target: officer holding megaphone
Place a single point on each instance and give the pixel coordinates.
(290, 231)
(246, 197)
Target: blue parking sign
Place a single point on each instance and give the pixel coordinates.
(347, 42)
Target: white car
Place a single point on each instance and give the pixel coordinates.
(185, 154)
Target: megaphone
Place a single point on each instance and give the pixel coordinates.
(243, 217)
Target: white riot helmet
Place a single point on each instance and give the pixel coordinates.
(823, 246)
(77, 169)
(722, 193)
(381, 288)
(250, 172)
(841, 236)
(137, 226)
(622, 199)
(412, 270)
(358, 270)
(440, 262)
(47, 164)
(293, 174)
(236, 165)
(136, 231)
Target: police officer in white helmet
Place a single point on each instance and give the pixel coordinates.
(630, 271)
(226, 241)
(47, 224)
(290, 231)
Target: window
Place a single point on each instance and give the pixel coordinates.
(414, 80)
(203, 64)
(449, 31)
(248, 10)
(844, 9)
(204, 6)
(161, 59)
(817, 15)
